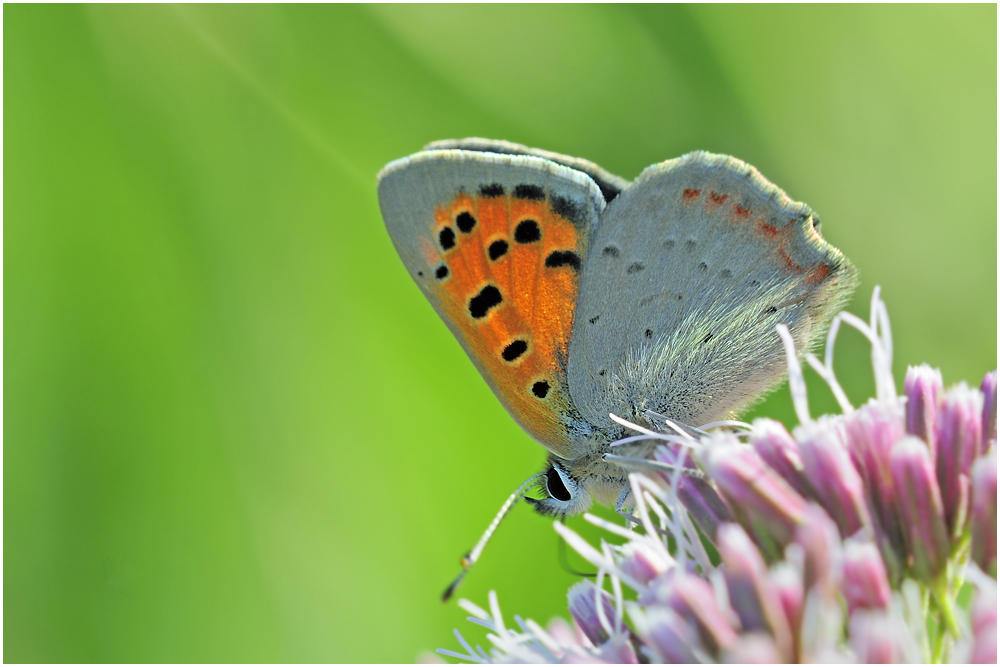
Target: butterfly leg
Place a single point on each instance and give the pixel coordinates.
(625, 500)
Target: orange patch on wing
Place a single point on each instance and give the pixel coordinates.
(524, 338)
(769, 230)
(717, 198)
(690, 194)
(792, 266)
(818, 274)
(741, 212)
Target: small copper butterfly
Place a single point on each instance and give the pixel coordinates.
(578, 294)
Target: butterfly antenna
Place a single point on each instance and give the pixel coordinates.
(470, 558)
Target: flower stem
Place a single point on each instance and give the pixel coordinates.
(948, 623)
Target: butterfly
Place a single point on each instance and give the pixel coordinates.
(579, 295)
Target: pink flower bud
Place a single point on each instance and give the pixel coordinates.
(780, 451)
(820, 543)
(786, 581)
(670, 636)
(920, 507)
(872, 431)
(989, 391)
(583, 607)
(693, 599)
(984, 512)
(829, 469)
(702, 501)
(617, 651)
(923, 390)
(752, 489)
(750, 595)
(642, 562)
(959, 436)
(865, 584)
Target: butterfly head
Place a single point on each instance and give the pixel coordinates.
(571, 487)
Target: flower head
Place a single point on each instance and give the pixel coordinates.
(829, 538)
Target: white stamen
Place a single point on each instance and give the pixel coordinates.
(831, 338)
(654, 465)
(796, 383)
(471, 657)
(473, 609)
(495, 613)
(599, 608)
(885, 387)
(593, 556)
(826, 372)
(541, 638)
(634, 427)
(635, 480)
(694, 539)
(719, 588)
(613, 528)
(619, 602)
(655, 436)
(677, 428)
(481, 622)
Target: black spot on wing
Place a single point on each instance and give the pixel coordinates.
(649, 333)
(527, 231)
(568, 208)
(563, 258)
(488, 297)
(441, 272)
(514, 350)
(497, 249)
(540, 389)
(465, 222)
(532, 192)
(610, 251)
(446, 237)
(634, 267)
(492, 190)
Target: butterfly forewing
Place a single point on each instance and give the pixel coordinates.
(497, 244)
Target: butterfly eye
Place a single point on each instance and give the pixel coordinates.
(555, 486)
(566, 495)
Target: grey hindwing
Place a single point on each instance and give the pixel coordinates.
(689, 272)
(410, 189)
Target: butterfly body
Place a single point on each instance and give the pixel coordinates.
(578, 294)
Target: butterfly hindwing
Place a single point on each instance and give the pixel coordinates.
(690, 270)
(497, 244)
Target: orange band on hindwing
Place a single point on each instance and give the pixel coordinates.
(508, 270)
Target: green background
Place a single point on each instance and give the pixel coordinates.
(234, 429)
